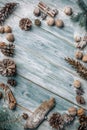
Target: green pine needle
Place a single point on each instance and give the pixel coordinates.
(82, 5)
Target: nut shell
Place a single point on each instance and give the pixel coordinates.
(50, 21)
(80, 112)
(68, 10)
(59, 23)
(10, 37)
(77, 84)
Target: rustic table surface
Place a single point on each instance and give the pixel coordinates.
(39, 55)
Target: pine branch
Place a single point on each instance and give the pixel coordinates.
(82, 5)
(80, 68)
(7, 119)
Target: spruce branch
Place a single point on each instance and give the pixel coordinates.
(81, 17)
(80, 68)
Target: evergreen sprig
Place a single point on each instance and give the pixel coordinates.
(82, 16)
(8, 120)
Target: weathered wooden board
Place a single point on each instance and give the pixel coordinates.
(40, 61)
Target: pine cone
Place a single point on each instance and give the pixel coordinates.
(6, 11)
(83, 119)
(80, 68)
(12, 82)
(8, 50)
(7, 67)
(56, 121)
(83, 126)
(25, 24)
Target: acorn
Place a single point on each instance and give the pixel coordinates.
(37, 12)
(7, 29)
(10, 37)
(59, 23)
(37, 22)
(1, 29)
(50, 21)
(68, 11)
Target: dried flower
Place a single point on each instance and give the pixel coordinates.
(80, 68)
(6, 11)
(12, 82)
(7, 67)
(56, 121)
(8, 50)
(25, 24)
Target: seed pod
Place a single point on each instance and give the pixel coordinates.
(59, 23)
(10, 37)
(7, 29)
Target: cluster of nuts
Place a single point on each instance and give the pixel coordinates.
(79, 91)
(7, 29)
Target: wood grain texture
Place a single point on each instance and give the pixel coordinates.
(39, 56)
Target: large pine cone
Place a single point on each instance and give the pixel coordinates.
(6, 11)
(8, 50)
(25, 24)
(7, 67)
(56, 121)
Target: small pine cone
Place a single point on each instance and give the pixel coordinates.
(56, 121)
(7, 67)
(67, 118)
(6, 11)
(12, 82)
(8, 50)
(83, 126)
(83, 119)
(25, 24)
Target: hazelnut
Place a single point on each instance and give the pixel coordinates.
(80, 112)
(59, 23)
(77, 39)
(10, 37)
(72, 111)
(50, 21)
(77, 84)
(37, 11)
(84, 59)
(7, 29)
(1, 29)
(68, 10)
(78, 55)
(1, 95)
(37, 22)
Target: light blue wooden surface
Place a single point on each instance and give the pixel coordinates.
(39, 55)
